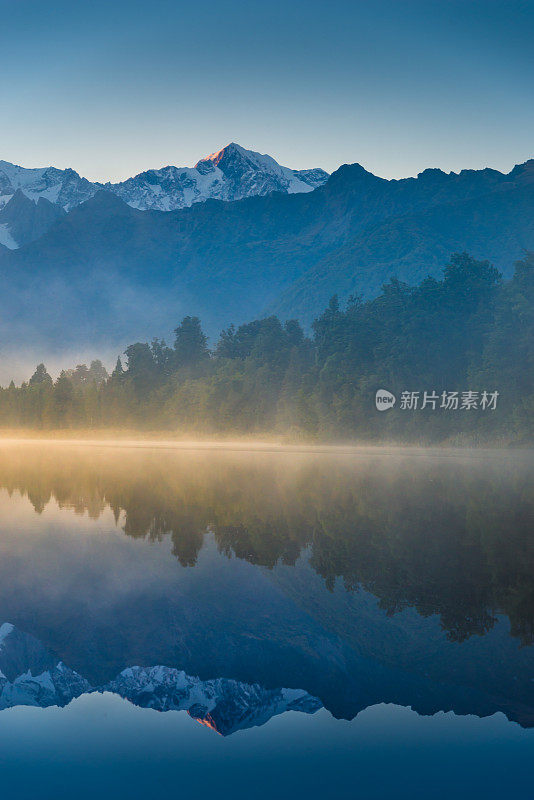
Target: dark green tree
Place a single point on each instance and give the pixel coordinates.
(118, 372)
(63, 400)
(142, 369)
(190, 344)
(40, 376)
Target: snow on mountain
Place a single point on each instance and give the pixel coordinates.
(63, 187)
(54, 687)
(6, 238)
(5, 630)
(248, 173)
(31, 675)
(230, 174)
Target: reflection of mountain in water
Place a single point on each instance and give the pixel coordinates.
(356, 579)
(30, 675)
(224, 705)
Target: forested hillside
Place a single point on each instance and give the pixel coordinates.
(456, 353)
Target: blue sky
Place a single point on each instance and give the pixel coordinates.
(112, 88)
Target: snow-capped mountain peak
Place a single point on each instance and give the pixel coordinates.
(234, 154)
(229, 149)
(228, 174)
(248, 173)
(63, 187)
(231, 173)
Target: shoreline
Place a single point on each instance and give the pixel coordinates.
(162, 441)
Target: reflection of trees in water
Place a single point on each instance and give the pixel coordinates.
(453, 539)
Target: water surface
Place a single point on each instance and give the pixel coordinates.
(329, 623)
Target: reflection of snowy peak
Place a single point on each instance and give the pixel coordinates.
(223, 704)
(30, 675)
(54, 687)
(230, 174)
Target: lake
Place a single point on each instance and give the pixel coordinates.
(265, 622)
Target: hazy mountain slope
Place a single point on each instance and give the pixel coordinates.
(498, 227)
(23, 220)
(106, 273)
(107, 269)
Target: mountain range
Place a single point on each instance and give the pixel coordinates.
(92, 267)
(229, 174)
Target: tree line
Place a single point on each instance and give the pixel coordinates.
(469, 331)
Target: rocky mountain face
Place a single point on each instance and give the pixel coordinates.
(64, 187)
(23, 220)
(230, 174)
(31, 675)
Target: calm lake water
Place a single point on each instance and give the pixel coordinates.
(268, 624)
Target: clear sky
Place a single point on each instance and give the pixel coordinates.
(114, 87)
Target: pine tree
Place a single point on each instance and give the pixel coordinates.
(118, 372)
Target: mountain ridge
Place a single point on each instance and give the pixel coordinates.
(229, 174)
(108, 273)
